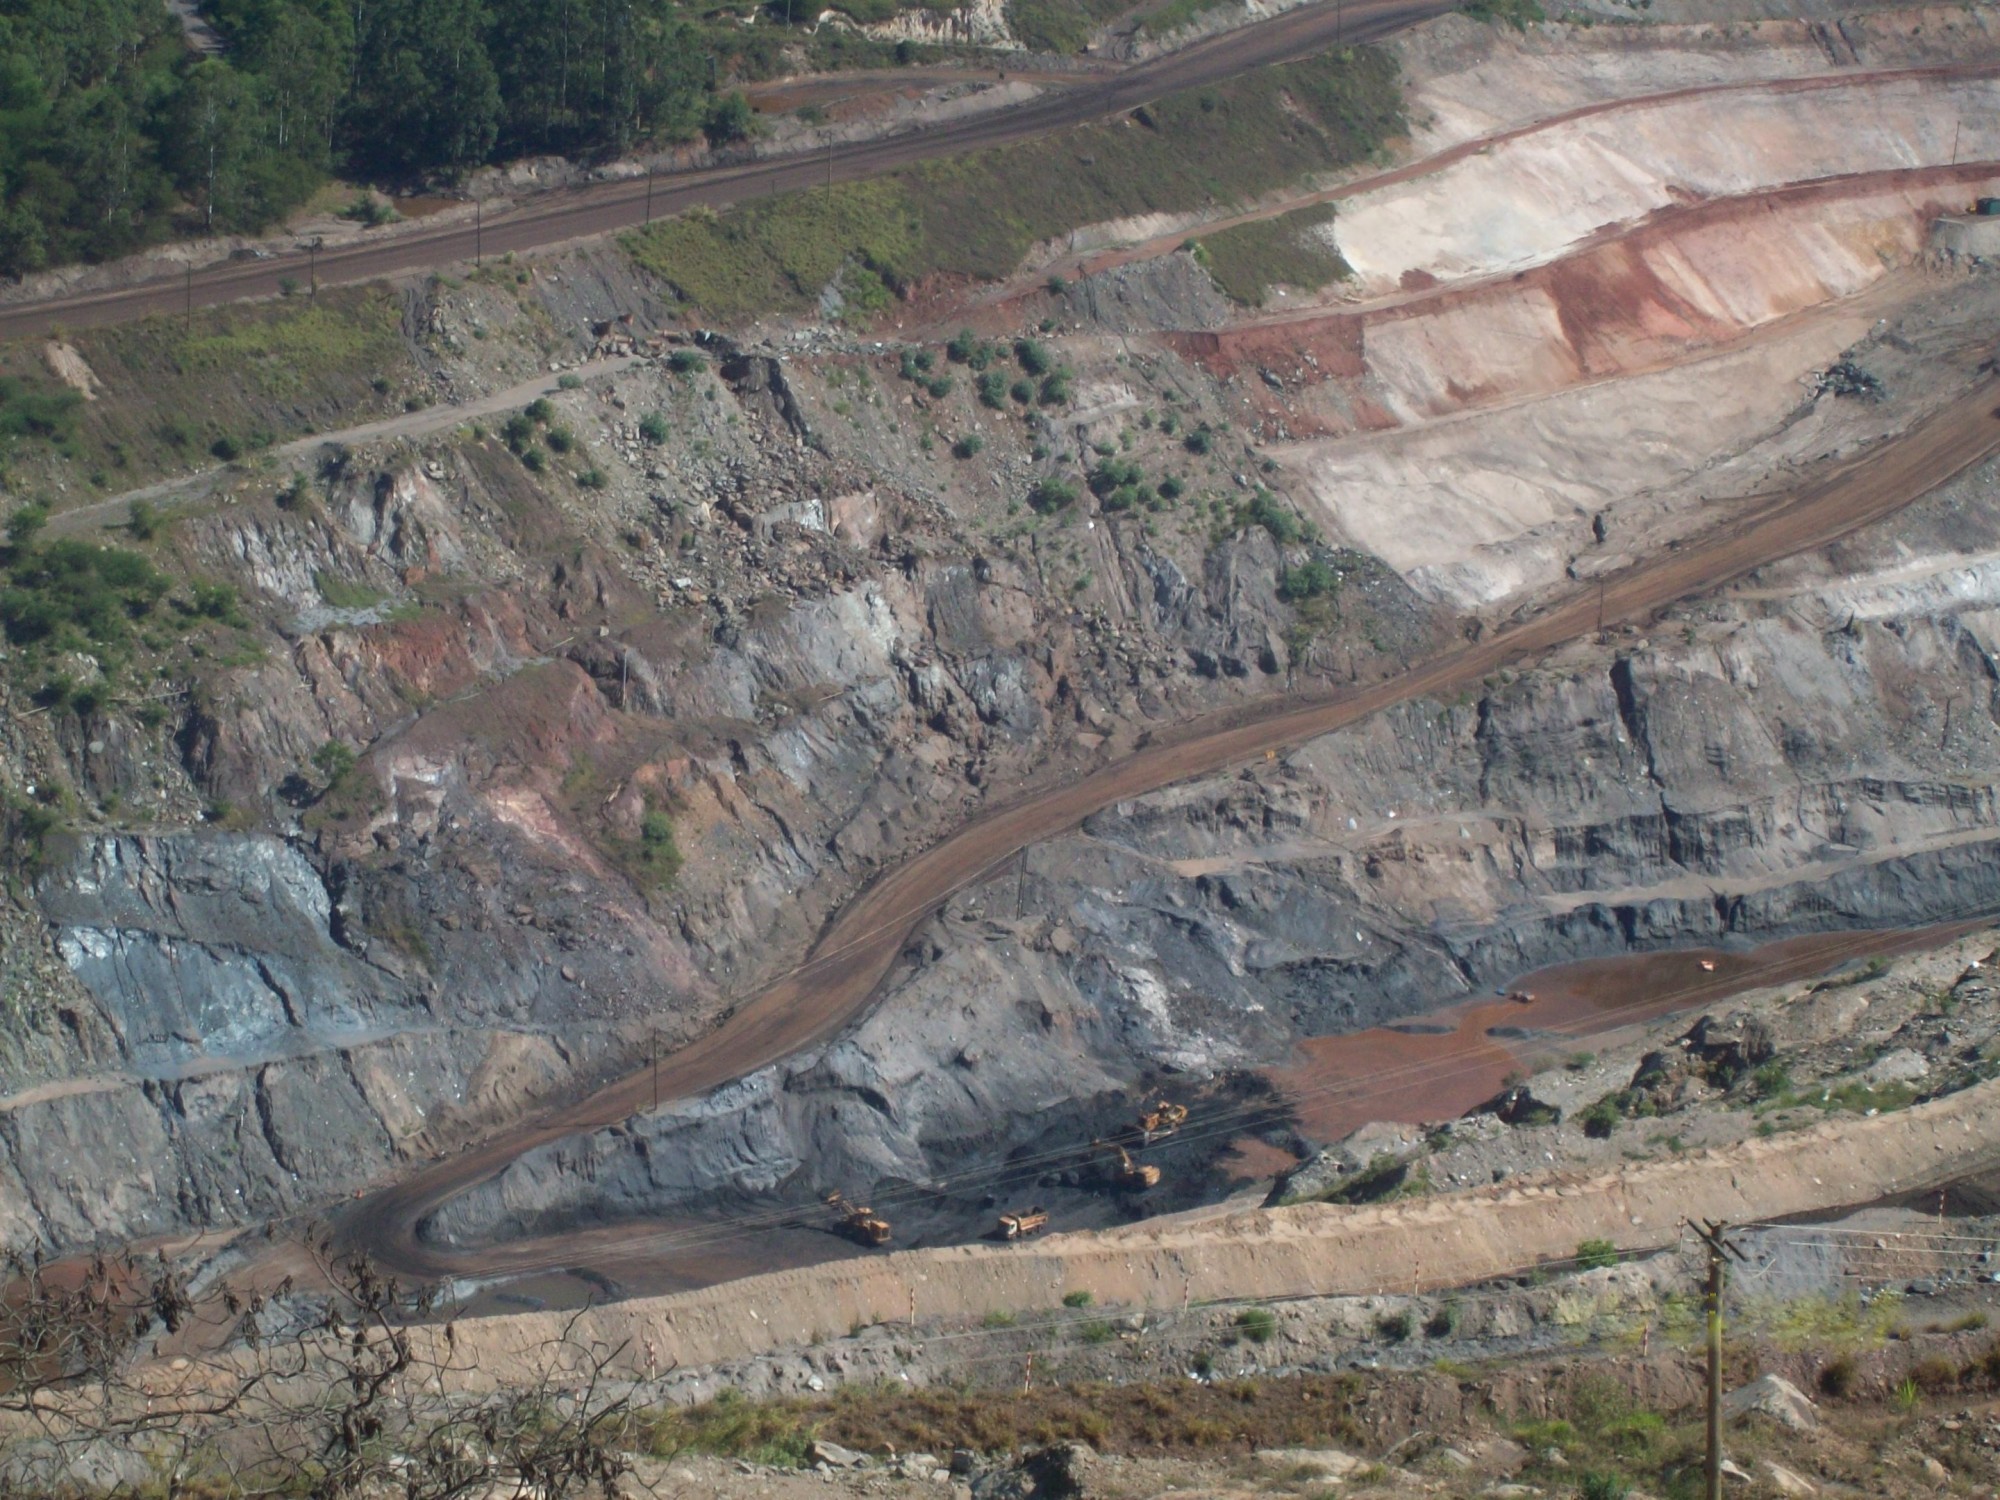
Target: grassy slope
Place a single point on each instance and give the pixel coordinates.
(1250, 259)
(978, 215)
(252, 374)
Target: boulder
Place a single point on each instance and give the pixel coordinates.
(1775, 1397)
(1785, 1482)
(820, 1451)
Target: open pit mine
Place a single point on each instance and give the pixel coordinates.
(1136, 783)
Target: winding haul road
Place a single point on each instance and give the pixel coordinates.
(576, 213)
(836, 982)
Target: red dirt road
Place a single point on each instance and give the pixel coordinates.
(838, 980)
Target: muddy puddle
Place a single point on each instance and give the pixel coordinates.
(1441, 1063)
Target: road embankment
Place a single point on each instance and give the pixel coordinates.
(1423, 1244)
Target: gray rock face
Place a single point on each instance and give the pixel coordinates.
(206, 947)
(1768, 779)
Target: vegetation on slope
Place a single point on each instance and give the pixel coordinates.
(115, 134)
(978, 215)
(1248, 260)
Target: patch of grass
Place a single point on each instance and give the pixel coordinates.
(1059, 25)
(775, 1434)
(254, 373)
(342, 594)
(1077, 1299)
(977, 215)
(1519, 14)
(1175, 14)
(37, 409)
(1248, 260)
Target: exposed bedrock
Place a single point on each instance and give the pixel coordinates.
(1780, 761)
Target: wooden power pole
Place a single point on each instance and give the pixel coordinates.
(1714, 1238)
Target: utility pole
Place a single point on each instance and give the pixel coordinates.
(1714, 1238)
(649, 192)
(312, 254)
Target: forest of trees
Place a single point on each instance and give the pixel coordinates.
(111, 127)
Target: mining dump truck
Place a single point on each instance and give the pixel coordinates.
(858, 1222)
(1020, 1225)
(1129, 1176)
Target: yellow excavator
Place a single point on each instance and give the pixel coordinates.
(857, 1221)
(1162, 1120)
(1018, 1226)
(1129, 1176)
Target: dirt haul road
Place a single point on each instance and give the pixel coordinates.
(602, 208)
(1314, 1250)
(858, 946)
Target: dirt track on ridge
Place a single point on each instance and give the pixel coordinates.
(834, 985)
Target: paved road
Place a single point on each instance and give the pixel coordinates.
(558, 217)
(839, 978)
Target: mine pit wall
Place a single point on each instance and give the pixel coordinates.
(1750, 772)
(1319, 1250)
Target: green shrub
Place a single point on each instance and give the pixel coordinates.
(1023, 391)
(560, 439)
(729, 119)
(1602, 1118)
(568, 382)
(1309, 580)
(534, 460)
(541, 409)
(1199, 441)
(1055, 389)
(959, 348)
(1599, 1484)
(968, 446)
(659, 854)
(1444, 1323)
(1034, 356)
(70, 595)
(1051, 495)
(1257, 1324)
(1096, 1331)
(686, 362)
(592, 479)
(653, 428)
(1396, 1327)
(1266, 511)
(939, 388)
(1596, 1255)
(1077, 1299)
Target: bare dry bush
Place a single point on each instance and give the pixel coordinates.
(119, 1377)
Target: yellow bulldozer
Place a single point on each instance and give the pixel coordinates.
(857, 1221)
